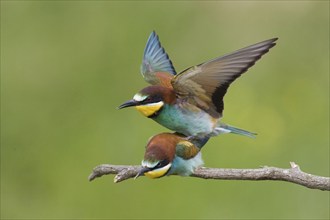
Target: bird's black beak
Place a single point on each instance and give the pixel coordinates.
(142, 171)
(129, 103)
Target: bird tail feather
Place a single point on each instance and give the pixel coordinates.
(224, 128)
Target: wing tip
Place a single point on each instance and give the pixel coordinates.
(154, 52)
(268, 43)
(153, 34)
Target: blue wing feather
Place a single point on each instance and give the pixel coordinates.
(155, 59)
(199, 141)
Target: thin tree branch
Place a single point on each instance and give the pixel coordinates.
(293, 174)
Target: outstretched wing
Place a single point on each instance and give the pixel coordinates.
(156, 68)
(206, 84)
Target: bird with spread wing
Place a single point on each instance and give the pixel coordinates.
(191, 102)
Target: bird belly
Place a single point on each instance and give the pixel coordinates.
(188, 122)
(184, 167)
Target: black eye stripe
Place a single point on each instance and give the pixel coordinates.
(152, 99)
(161, 164)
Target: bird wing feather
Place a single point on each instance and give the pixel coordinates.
(156, 68)
(186, 149)
(206, 84)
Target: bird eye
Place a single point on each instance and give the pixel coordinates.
(159, 164)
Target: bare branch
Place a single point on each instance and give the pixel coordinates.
(293, 174)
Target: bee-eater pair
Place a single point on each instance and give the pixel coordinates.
(189, 103)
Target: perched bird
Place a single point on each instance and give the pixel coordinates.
(191, 102)
(172, 153)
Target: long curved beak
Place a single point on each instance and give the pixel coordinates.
(129, 103)
(142, 171)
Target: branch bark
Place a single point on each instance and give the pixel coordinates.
(292, 174)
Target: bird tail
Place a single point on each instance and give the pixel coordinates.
(224, 129)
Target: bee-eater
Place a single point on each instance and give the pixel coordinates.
(191, 102)
(172, 153)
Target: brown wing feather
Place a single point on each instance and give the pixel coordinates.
(206, 84)
(186, 150)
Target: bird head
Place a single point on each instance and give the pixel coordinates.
(154, 169)
(150, 100)
(159, 155)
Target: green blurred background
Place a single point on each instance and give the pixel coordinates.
(67, 65)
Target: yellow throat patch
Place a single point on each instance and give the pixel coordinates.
(149, 109)
(158, 172)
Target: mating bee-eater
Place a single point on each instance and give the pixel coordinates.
(172, 153)
(191, 102)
